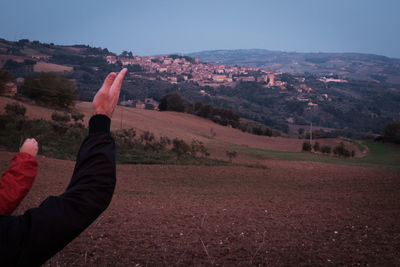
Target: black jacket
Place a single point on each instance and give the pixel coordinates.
(33, 238)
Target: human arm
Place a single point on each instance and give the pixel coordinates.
(34, 237)
(41, 232)
(16, 182)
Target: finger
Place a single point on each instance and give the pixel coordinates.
(108, 82)
(116, 86)
(30, 141)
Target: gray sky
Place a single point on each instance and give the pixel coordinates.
(151, 27)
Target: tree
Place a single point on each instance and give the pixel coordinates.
(50, 89)
(180, 147)
(392, 132)
(61, 117)
(326, 149)
(15, 109)
(306, 146)
(205, 111)
(340, 150)
(300, 131)
(316, 146)
(5, 77)
(172, 102)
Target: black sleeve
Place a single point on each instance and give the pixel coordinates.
(32, 238)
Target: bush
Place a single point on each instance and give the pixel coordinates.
(326, 149)
(340, 150)
(74, 133)
(164, 142)
(262, 130)
(180, 147)
(59, 127)
(125, 138)
(316, 146)
(231, 155)
(15, 109)
(61, 117)
(198, 147)
(306, 146)
(76, 116)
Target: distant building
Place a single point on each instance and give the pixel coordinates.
(173, 79)
(247, 79)
(218, 78)
(327, 80)
(111, 59)
(311, 104)
(40, 57)
(140, 105)
(167, 61)
(271, 79)
(151, 101)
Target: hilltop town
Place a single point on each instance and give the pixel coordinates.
(175, 68)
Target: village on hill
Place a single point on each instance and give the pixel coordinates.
(174, 69)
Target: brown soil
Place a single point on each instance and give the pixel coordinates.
(289, 214)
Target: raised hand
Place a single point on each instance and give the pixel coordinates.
(30, 146)
(106, 99)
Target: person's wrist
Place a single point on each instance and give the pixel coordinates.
(99, 123)
(100, 112)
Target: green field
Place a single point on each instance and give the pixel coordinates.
(384, 156)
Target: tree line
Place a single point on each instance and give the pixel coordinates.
(174, 102)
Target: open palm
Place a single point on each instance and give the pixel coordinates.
(106, 98)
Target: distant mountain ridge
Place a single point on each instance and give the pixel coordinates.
(356, 66)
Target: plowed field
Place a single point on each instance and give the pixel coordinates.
(292, 213)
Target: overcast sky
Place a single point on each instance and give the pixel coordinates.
(151, 27)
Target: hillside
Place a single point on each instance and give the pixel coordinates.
(347, 65)
(187, 127)
(287, 102)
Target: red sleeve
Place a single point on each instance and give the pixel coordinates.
(16, 182)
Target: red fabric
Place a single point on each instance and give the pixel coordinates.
(16, 182)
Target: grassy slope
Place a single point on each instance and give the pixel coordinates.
(385, 156)
(249, 147)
